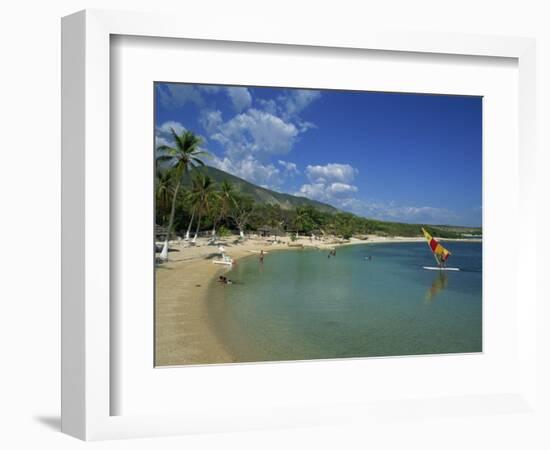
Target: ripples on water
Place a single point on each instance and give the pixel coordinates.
(304, 305)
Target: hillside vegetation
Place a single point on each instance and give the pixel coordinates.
(257, 193)
(192, 198)
(254, 208)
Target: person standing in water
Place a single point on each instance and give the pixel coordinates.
(261, 256)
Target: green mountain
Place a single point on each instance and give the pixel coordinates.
(289, 202)
(260, 194)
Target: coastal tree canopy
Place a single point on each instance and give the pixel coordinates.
(217, 203)
(184, 154)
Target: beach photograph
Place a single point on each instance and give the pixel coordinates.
(298, 224)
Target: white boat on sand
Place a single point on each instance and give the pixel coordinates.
(224, 259)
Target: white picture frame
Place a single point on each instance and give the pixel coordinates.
(86, 248)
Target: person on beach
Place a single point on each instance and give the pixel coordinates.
(224, 280)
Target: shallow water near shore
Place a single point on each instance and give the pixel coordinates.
(303, 305)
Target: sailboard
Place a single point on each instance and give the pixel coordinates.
(223, 259)
(441, 254)
(226, 262)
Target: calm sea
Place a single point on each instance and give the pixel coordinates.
(304, 305)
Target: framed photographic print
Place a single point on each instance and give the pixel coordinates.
(269, 203)
(262, 230)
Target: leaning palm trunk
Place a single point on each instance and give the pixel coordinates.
(188, 232)
(171, 221)
(216, 222)
(184, 155)
(197, 230)
(164, 253)
(213, 237)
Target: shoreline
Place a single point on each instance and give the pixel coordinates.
(184, 333)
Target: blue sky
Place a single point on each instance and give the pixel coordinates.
(403, 157)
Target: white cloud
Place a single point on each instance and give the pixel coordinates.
(296, 100)
(240, 97)
(163, 133)
(290, 104)
(250, 169)
(315, 191)
(161, 141)
(304, 126)
(332, 172)
(173, 96)
(400, 213)
(420, 214)
(211, 120)
(332, 183)
(336, 194)
(257, 133)
(340, 189)
(290, 167)
(270, 106)
(171, 124)
(342, 196)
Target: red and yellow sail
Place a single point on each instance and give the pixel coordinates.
(441, 253)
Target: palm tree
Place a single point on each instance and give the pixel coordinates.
(274, 216)
(242, 209)
(201, 197)
(189, 200)
(301, 219)
(225, 200)
(163, 190)
(184, 155)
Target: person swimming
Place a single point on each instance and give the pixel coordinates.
(224, 280)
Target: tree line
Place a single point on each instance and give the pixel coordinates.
(204, 205)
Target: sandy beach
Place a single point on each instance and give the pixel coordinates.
(183, 330)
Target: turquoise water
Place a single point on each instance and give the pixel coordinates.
(303, 305)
